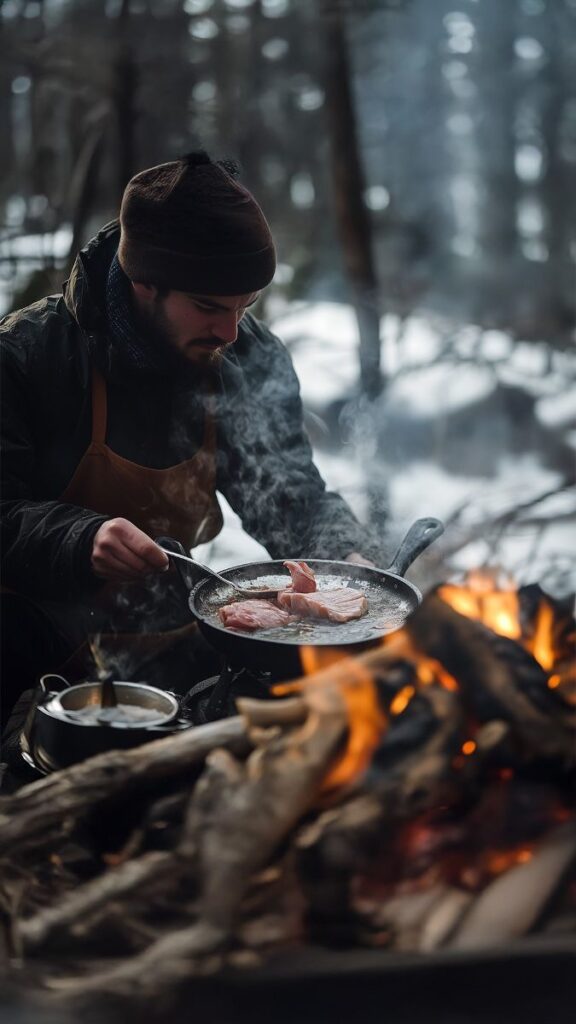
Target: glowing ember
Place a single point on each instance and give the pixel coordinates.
(469, 747)
(499, 861)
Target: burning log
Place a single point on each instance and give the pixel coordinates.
(493, 681)
(424, 777)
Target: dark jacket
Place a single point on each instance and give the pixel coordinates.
(265, 467)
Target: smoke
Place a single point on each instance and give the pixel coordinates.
(265, 459)
(145, 619)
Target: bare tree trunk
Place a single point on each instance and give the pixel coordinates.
(84, 181)
(496, 34)
(556, 189)
(123, 98)
(351, 212)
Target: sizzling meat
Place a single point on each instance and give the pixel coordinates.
(339, 605)
(253, 614)
(303, 578)
(300, 600)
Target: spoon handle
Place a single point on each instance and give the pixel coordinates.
(199, 565)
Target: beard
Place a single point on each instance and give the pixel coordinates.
(157, 336)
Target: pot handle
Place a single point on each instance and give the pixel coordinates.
(40, 693)
(419, 537)
(178, 725)
(65, 685)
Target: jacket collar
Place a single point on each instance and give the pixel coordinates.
(84, 291)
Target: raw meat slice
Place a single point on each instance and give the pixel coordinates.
(339, 605)
(253, 614)
(303, 578)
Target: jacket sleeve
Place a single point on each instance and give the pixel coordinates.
(45, 545)
(267, 473)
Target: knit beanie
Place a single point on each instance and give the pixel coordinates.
(190, 226)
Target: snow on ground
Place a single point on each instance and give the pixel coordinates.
(29, 252)
(558, 410)
(53, 244)
(439, 389)
(323, 339)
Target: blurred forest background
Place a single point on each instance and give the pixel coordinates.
(417, 160)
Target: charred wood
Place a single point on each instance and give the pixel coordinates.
(473, 655)
(332, 848)
(424, 777)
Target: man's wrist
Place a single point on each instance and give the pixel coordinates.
(358, 559)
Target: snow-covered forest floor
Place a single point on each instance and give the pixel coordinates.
(472, 427)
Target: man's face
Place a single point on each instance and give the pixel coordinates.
(198, 327)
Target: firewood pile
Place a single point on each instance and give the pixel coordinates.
(416, 798)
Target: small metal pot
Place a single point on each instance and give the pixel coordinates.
(60, 729)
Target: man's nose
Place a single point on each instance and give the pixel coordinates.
(227, 328)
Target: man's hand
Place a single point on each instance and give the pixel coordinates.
(357, 559)
(123, 552)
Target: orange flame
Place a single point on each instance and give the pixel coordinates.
(402, 700)
(428, 670)
(366, 720)
(481, 599)
(498, 608)
(314, 659)
(541, 644)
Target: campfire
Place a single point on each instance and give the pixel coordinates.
(416, 798)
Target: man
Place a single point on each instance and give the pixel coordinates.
(131, 399)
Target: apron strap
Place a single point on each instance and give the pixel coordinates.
(209, 442)
(99, 407)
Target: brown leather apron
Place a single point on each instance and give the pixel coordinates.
(179, 502)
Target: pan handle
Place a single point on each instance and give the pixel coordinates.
(419, 537)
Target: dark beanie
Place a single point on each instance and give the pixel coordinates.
(190, 226)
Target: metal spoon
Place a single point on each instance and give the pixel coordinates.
(254, 592)
(108, 698)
